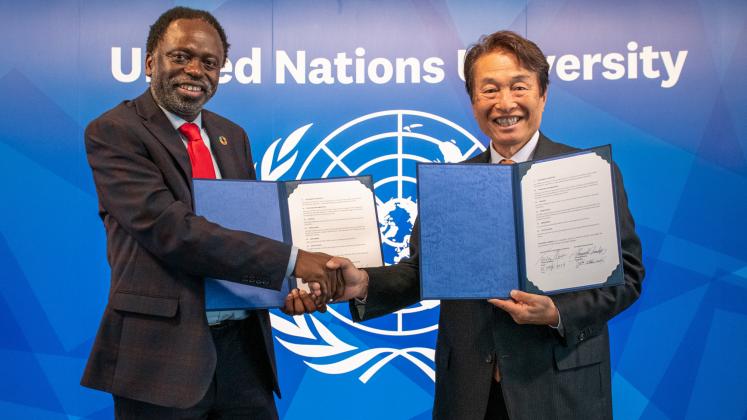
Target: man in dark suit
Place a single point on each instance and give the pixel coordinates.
(530, 356)
(157, 350)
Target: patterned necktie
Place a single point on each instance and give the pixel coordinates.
(199, 155)
(506, 162)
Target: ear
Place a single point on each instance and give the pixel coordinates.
(543, 98)
(149, 64)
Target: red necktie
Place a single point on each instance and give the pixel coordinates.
(506, 162)
(199, 155)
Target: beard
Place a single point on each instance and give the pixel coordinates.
(165, 93)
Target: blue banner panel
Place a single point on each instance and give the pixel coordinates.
(338, 88)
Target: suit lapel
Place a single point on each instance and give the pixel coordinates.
(221, 146)
(156, 122)
(546, 148)
(483, 157)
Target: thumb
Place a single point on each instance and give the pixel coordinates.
(334, 263)
(520, 296)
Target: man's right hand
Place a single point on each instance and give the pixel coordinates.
(356, 280)
(298, 302)
(325, 284)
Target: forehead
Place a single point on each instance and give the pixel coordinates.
(499, 63)
(192, 33)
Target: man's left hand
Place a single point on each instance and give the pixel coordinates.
(528, 308)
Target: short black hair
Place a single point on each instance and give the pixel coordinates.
(159, 27)
(527, 52)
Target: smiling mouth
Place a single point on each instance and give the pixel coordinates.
(191, 88)
(507, 121)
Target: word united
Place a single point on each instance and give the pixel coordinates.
(300, 67)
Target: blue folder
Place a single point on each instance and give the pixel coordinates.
(471, 238)
(259, 207)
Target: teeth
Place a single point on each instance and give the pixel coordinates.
(507, 121)
(192, 88)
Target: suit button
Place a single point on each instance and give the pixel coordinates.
(489, 358)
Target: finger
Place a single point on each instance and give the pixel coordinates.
(520, 296)
(507, 305)
(325, 287)
(308, 302)
(332, 280)
(324, 295)
(337, 287)
(321, 297)
(287, 307)
(340, 262)
(315, 289)
(515, 311)
(501, 303)
(297, 304)
(321, 308)
(334, 263)
(319, 300)
(340, 284)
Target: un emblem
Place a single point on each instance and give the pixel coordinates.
(386, 145)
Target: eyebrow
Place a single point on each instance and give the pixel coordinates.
(191, 51)
(519, 78)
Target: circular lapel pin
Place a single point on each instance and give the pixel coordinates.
(223, 140)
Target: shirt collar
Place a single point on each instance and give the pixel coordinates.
(178, 121)
(524, 154)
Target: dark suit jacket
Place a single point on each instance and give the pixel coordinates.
(153, 342)
(544, 375)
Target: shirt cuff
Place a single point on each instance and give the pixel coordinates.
(291, 263)
(559, 327)
(360, 307)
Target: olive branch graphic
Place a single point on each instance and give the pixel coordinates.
(276, 163)
(324, 344)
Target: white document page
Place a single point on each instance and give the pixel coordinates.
(338, 218)
(569, 222)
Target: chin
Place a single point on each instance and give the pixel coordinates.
(506, 142)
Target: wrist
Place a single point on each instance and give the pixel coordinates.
(554, 318)
(363, 286)
(299, 256)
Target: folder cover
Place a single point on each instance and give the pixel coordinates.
(314, 215)
(546, 226)
(249, 206)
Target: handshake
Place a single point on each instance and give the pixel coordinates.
(335, 279)
(330, 279)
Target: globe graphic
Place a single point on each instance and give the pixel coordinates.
(396, 219)
(388, 145)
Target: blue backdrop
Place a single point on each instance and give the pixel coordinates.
(327, 88)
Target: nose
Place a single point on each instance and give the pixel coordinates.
(193, 67)
(504, 101)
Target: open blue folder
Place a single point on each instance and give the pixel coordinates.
(259, 207)
(472, 243)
